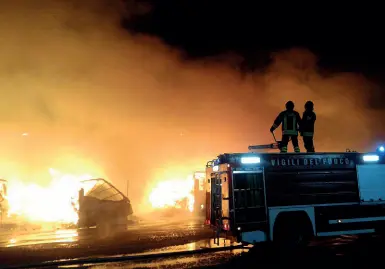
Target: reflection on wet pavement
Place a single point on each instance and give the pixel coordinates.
(154, 230)
(201, 244)
(320, 252)
(196, 260)
(50, 244)
(59, 236)
(198, 245)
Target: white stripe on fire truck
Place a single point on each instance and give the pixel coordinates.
(338, 221)
(347, 232)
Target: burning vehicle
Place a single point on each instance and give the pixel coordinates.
(74, 201)
(102, 205)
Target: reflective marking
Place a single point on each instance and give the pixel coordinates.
(366, 231)
(259, 171)
(338, 221)
(314, 205)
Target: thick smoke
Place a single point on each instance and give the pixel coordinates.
(91, 95)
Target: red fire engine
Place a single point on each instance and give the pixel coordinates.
(296, 196)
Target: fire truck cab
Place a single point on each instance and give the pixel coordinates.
(260, 197)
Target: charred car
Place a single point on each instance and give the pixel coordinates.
(102, 205)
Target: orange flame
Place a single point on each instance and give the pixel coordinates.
(54, 203)
(171, 193)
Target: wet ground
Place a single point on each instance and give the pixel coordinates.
(191, 261)
(342, 252)
(26, 244)
(21, 246)
(53, 235)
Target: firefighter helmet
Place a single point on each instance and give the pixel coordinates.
(290, 105)
(309, 105)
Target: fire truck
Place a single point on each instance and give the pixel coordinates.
(293, 197)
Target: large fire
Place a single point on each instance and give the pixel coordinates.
(58, 201)
(176, 193)
(54, 203)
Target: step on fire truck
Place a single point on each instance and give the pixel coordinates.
(293, 197)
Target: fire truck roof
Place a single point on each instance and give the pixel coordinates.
(305, 160)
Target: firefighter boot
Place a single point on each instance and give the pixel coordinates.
(294, 140)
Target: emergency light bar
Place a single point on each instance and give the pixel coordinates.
(371, 158)
(250, 160)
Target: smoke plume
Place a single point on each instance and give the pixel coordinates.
(91, 96)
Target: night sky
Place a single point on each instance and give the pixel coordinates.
(345, 38)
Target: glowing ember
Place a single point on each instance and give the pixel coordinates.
(46, 204)
(173, 193)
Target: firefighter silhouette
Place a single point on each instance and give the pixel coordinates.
(307, 126)
(290, 120)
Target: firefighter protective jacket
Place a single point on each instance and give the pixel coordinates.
(290, 122)
(307, 123)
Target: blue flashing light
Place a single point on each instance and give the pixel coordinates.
(381, 149)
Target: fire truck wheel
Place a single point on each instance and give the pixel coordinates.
(292, 231)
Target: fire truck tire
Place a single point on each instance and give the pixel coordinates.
(292, 230)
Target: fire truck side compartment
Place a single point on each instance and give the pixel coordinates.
(371, 181)
(311, 187)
